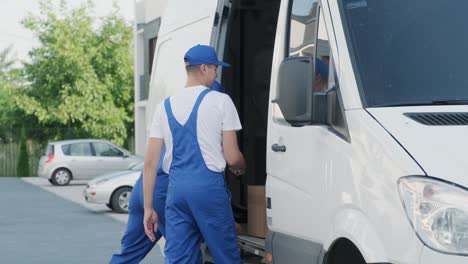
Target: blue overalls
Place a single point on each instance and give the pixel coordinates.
(198, 204)
(135, 245)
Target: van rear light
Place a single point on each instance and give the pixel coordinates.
(50, 158)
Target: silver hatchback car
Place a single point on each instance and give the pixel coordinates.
(83, 159)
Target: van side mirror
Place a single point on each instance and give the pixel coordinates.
(294, 94)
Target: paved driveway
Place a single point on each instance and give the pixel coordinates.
(37, 225)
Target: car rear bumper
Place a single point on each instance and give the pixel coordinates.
(43, 173)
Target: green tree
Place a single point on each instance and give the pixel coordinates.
(22, 168)
(10, 80)
(81, 74)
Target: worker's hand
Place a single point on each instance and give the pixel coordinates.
(150, 222)
(237, 172)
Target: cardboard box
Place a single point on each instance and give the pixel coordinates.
(256, 206)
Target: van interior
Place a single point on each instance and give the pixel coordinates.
(249, 43)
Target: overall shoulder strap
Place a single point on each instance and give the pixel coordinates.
(167, 106)
(202, 95)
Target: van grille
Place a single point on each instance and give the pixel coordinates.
(440, 119)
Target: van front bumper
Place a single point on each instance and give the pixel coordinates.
(430, 256)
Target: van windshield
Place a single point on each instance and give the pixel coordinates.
(408, 52)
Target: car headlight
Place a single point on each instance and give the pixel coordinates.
(438, 212)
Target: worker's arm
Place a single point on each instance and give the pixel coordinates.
(232, 154)
(153, 153)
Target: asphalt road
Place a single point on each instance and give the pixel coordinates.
(40, 223)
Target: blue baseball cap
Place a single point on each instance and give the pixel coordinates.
(202, 54)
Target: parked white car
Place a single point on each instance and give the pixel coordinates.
(113, 189)
(83, 159)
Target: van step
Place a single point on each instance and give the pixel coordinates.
(253, 245)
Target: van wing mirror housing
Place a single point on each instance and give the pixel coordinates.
(294, 94)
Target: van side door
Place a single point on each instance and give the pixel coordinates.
(304, 160)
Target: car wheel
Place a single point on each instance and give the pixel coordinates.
(51, 181)
(120, 200)
(61, 177)
(110, 206)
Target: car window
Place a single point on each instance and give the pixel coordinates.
(106, 150)
(77, 149)
(66, 149)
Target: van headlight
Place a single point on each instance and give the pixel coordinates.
(438, 212)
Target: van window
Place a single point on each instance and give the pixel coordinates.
(408, 52)
(106, 150)
(77, 149)
(302, 27)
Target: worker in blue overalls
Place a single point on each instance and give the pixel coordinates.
(198, 128)
(135, 245)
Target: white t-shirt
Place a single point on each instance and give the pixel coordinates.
(216, 113)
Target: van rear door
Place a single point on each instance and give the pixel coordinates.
(183, 25)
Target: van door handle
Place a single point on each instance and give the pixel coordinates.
(278, 148)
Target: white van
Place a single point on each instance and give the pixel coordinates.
(355, 120)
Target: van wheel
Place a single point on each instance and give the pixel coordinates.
(120, 200)
(61, 177)
(110, 206)
(344, 252)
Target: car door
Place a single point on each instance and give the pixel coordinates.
(109, 158)
(80, 158)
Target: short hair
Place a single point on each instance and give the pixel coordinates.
(192, 69)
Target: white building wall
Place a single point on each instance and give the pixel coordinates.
(145, 12)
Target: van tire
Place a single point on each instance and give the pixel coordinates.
(61, 177)
(120, 200)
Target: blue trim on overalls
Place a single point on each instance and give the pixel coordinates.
(135, 245)
(197, 206)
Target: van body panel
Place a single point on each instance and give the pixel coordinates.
(181, 28)
(353, 224)
(342, 180)
(440, 150)
(176, 17)
(430, 256)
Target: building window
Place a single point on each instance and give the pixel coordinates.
(152, 47)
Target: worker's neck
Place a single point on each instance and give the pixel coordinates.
(191, 82)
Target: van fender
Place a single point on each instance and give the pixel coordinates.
(353, 225)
